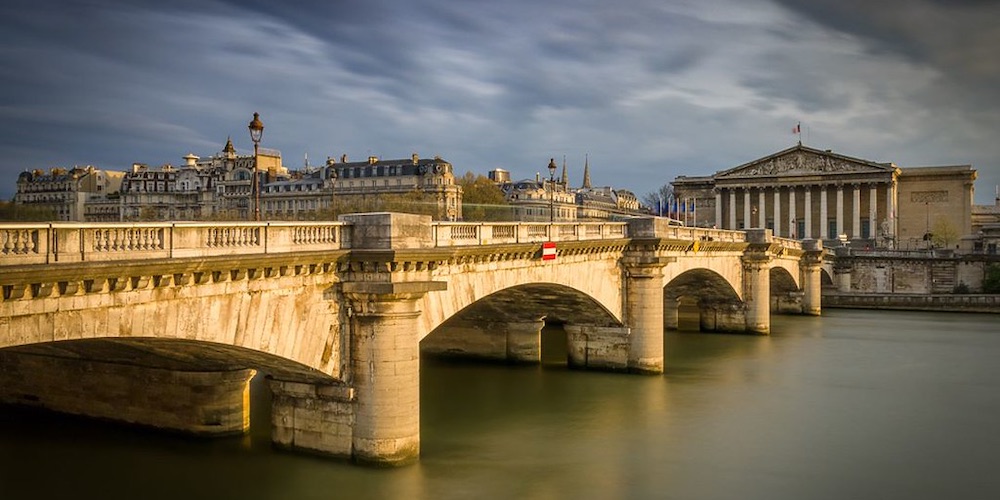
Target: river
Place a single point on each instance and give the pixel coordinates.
(850, 405)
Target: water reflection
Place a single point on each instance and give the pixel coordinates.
(856, 404)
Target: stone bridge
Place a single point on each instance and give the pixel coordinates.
(164, 324)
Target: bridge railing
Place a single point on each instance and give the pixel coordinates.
(788, 242)
(448, 234)
(22, 244)
(701, 233)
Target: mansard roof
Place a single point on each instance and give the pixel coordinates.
(803, 160)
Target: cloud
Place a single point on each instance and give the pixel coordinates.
(648, 89)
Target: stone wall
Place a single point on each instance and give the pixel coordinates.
(957, 303)
(204, 403)
(911, 275)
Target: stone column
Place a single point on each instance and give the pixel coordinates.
(777, 211)
(824, 223)
(746, 209)
(890, 208)
(757, 292)
(792, 223)
(385, 369)
(810, 266)
(732, 209)
(808, 213)
(644, 312)
(873, 222)
(762, 206)
(840, 210)
(856, 208)
(718, 208)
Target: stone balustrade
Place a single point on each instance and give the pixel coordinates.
(25, 244)
(450, 234)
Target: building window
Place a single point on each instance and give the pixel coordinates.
(866, 229)
(831, 229)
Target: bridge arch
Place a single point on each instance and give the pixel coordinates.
(702, 299)
(574, 277)
(507, 324)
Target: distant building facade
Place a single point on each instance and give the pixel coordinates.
(534, 200)
(83, 194)
(433, 178)
(805, 193)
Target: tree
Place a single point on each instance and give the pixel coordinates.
(658, 199)
(991, 279)
(16, 212)
(943, 234)
(482, 199)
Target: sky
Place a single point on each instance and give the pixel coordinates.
(645, 89)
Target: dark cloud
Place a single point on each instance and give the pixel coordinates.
(649, 89)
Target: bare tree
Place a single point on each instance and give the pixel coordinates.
(657, 200)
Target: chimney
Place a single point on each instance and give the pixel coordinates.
(190, 160)
(343, 158)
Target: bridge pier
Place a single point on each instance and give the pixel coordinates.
(723, 317)
(671, 313)
(757, 293)
(206, 403)
(318, 418)
(644, 312)
(598, 348)
(812, 277)
(385, 369)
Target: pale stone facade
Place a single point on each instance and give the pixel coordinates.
(374, 177)
(806, 193)
(79, 194)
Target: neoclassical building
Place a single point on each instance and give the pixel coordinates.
(804, 193)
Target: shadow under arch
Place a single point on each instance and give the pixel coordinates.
(507, 325)
(178, 385)
(826, 281)
(701, 299)
(175, 354)
(785, 295)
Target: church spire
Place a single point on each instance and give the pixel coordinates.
(229, 150)
(586, 173)
(565, 176)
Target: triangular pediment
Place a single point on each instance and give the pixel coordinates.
(802, 160)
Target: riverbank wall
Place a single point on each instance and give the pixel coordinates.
(979, 303)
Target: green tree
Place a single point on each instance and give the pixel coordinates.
(991, 279)
(943, 234)
(482, 199)
(16, 212)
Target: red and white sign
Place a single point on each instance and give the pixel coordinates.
(549, 250)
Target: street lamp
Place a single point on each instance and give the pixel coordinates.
(256, 128)
(552, 186)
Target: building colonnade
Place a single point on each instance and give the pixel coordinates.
(858, 210)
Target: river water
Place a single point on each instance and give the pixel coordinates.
(852, 405)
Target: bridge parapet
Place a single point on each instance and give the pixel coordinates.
(452, 234)
(658, 227)
(25, 244)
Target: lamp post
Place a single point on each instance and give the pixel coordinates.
(256, 128)
(927, 223)
(552, 187)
